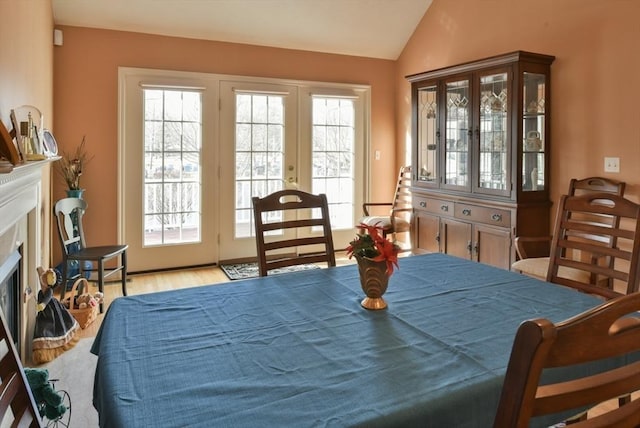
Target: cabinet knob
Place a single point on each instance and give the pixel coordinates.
(444, 208)
(438, 238)
(466, 211)
(423, 204)
(496, 217)
(476, 248)
(469, 246)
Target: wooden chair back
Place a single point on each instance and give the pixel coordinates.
(596, 185)
(402, 208)
(613, 330)
(599, 185)
(536, 247)
(17, 406)
(610, 250)
(69, 213)
(284, 240)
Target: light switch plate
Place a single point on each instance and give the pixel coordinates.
(611, 164)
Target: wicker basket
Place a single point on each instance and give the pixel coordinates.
(84, 316)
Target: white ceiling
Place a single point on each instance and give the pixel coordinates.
(369, 28)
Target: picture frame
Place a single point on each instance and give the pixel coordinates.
(20, 117)
(49, 143)
(17, 135)
(7, 147)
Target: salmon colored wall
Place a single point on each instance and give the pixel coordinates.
(85, 86)
(595, 77)
(26, 62)
(26, 76)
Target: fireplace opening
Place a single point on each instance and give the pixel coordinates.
(10, 294)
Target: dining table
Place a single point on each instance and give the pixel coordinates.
(298, 349)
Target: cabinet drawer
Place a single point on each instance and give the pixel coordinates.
(493, 216)
(435, 206)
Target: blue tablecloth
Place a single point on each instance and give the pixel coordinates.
(298, 350)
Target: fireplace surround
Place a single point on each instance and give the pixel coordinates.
(24, 206)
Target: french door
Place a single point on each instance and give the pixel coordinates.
(194, 150)
(288, 137)
(167, 164)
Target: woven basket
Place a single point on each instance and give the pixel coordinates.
(84, 316)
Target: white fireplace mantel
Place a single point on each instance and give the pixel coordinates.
(22, 218)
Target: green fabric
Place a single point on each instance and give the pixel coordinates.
(48, 400)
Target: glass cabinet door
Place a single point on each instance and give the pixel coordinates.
(493, 162)
(457, 134)
(533, 132)
(428, 135)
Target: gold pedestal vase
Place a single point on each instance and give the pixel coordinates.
(374, 281)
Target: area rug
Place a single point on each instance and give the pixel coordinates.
(75, 370)
(250, 270)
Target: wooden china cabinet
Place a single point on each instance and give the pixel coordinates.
(481, 156)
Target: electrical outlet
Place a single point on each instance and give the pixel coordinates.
(611, 164)
(377, 154)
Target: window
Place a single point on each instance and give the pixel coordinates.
(172, 186)
(259, 153)
(333, 145)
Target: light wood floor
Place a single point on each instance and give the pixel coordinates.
(153, 282)
(162, 281)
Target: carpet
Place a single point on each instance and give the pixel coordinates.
(250, 270)
(74, 370)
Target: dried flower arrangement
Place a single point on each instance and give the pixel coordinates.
(71, 165)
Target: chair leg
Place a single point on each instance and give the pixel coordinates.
(101, 282)
(123, 273)
(65, 269)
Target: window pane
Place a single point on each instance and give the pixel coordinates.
(259, 149)
(172, 162)
(332, 156)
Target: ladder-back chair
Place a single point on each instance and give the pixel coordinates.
(399, 218)
(533, 252)
(69, 213)
(17, 406)
(576, 232)
(278, 240)
(606, 331)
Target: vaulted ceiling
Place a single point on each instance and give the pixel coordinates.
(369, 28)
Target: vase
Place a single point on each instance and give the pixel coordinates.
(374, 281)
(75, 193)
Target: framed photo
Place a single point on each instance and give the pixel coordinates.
(49, 143)
(17, 135)
(7, 148)
(23, 118)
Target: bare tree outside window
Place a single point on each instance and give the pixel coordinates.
(259, 154)
(333, 147)
(172, 178)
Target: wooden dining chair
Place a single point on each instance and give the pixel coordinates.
(69, 213)
(533, 252)
(285, 223)
(17, 406)
(613, 331)
(398, 219)
(576, 233)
